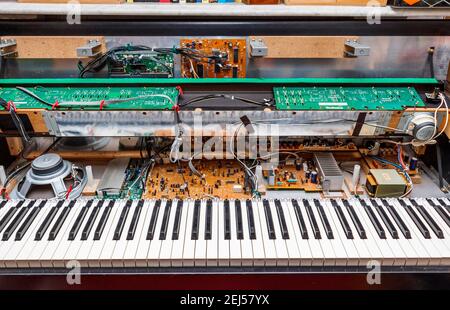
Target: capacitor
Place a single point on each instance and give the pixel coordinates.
(413, 163)
(356, 174)
(305, 165)
(307, 174)
(298, 165)
(314, 177)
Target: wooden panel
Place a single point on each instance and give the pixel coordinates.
(35, 118)
(305, 46)
(65, 1)
(51, 47)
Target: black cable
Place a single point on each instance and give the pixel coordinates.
(33, 95)
(266, 103)
(431, 61)
(439, 166)
(16, 120)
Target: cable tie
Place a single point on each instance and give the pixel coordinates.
(10, 105)
(55, 105)
(102, 103)
(176, 108)
(180, 90)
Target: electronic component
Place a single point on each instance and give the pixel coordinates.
(140, 64)
(413, 163)
(214, 58)
(421, 126)
(346, 98)
(385, 183)
(113, 178)
(314, 177)
(330, 174)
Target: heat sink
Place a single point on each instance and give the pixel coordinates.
(330, 174)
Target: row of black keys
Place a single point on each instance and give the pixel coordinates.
(440, 209)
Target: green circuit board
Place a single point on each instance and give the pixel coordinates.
(141, 64)
(90, 98)
(346, 98)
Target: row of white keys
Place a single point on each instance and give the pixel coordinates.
(178, 244)
(200, 243)
(85, 245)
(246, 243)
(12, 258)
(445, 229)
(388, 257)
(121, 243)
(224, 244)
(280, 243)
(155, 245)
(34, 248)
(412, 248)
(269, 245)
(60, 241)
(396, 249)
(235, 244)
(257, 244)
(212, 245)
(94, 257)
(325, 244)
(6, 245)
(433, 253)
(141, 253)
(295, 257)
(189, 243)
(165, 254)
(341, 241)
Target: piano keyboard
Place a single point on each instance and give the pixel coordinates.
(203, 233)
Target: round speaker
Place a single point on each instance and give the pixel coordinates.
(50, 172)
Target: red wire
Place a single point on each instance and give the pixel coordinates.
(69, 190)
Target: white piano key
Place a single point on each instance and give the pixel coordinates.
(400, 256)
(121, 244)
(155, 245)
(388, 256)
(212, 245)
(280, 243)
(294, 254)
(269, 245)
(100, 254)
(200, 243)
(47, 256)
(189, 243)
(144, 244)
(223, 245)
(434, 253)
(259, 257)
(246, 243)
(302, 245)
(178, 245)
(84, 250)
(235, 244)
(166, 245)
(340, 241)
(11, 258)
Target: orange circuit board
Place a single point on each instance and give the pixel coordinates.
(216, 58)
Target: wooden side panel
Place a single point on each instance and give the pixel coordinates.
(305, 46)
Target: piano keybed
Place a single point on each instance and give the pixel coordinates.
(225, 233)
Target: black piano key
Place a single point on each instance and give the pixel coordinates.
(165, 220)
(103, 220)
(439, 210)
(227, 219)
(3, 203)
(386, 220)
(152, 225)
(208, 220)
(376, 224)
(281, 219)
(27, 223)
(135, 220)
(9, 214)
(400, 223)
(250, 219)
(344, 223)
(122, 220)
(47, 221)
(196, 220)
(177, 222)
(79, 220)
(444, 204)
(239, 224)
(323, 217)
(420, 225)
(300, 220)
(312, 219)
(269, 219)
(355, 219)
(60, 221)
(16, 221)
(90, 222)
(430, 221)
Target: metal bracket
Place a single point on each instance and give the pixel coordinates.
(8, 48)
(354, 49)
(258, 48)
(91, 49)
